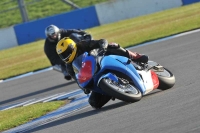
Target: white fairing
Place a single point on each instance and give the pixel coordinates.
(147, 79)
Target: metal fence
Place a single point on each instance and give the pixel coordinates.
(18, 8)
(22, 7)
(14, 12)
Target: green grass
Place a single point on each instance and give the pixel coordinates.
(22, 59)
(14, 117)
(31, 57)
(37, 10)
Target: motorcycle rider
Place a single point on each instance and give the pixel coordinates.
(53, 35)
(68, 50)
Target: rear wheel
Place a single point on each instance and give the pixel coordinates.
(166, 79)
(120, 90)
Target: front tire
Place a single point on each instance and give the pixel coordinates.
(97, 100)
(124, 92)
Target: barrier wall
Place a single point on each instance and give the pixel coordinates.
(99, 14)
(108, 12)
(32, 31)
(186, 2)
(8, 38)
(124, 9)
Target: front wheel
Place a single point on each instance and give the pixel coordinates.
(125, 92)
(166, 79)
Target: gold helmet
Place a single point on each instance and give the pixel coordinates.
(66, 48)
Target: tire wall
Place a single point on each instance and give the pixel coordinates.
(124, 9)
(8, 38)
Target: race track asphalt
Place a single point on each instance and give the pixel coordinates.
(172, 111)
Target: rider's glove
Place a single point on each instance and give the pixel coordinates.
(103, 44)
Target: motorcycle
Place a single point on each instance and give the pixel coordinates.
(119, 77)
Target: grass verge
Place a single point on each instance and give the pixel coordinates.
(14, 117)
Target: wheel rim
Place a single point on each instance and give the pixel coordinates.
(165, 73)
(124, 88)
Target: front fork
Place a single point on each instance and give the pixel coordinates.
(108, 75)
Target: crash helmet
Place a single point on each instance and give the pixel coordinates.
(52, 32)
(66, 49)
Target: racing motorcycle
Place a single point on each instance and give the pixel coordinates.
(119, 77)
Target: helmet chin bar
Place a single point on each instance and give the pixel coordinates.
(58, 37)
(52, 40)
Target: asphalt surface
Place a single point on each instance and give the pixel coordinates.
(176, 110)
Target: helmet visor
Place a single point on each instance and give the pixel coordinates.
(53, 36)
(67, 54)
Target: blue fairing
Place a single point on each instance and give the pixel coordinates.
(119, 63)
(111, 62)
(77, 64)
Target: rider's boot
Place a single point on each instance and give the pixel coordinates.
(65, 73)
(136, 57)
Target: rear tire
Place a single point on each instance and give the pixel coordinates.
(166, 79)
(124, 92)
